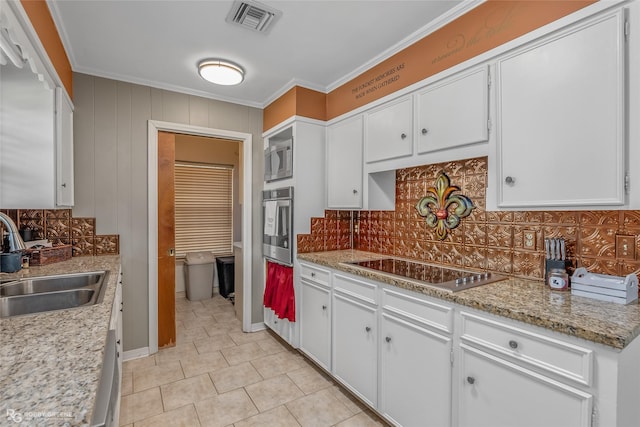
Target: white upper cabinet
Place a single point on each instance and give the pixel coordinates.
(561, 118)
(344, 164)
(454, 111)
(36, 124)
(64, 149)
(389, 131)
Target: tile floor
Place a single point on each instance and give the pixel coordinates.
(217, 375)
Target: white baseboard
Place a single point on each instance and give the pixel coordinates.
(136, 353)
(255, 327)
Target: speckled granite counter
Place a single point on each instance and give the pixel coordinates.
(614, 325)
(50, 363)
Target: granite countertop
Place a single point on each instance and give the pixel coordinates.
(50, 363)
(611, 324)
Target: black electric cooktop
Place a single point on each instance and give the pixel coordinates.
(441, 277)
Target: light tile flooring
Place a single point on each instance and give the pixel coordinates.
(217, 375)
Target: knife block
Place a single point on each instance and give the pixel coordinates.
(561, 264)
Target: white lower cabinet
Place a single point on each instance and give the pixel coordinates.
(495, 393)
(415, 374)
(115, 323)
(315, 322)
(355, 346)
(510, 375)
(421, 361)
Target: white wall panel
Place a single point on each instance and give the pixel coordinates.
(106, 157)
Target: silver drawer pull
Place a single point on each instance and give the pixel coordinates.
(368, 329)
(510, 180)
(388, 339)
(324, 307)
(471, 380)
(513, 344)
(313, 274)
(403, 136)
(425, 131)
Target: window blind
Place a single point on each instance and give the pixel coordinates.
(203, 203)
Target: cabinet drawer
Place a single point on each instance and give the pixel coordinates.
(363, 291)
(418, 309)
(314, 274)
(536, 350)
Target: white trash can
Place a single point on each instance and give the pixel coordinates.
(198, 275)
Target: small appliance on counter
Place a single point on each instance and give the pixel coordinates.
(621, 290)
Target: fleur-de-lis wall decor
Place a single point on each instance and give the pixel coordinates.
(443, 207)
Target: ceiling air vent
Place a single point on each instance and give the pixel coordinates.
(252, 15)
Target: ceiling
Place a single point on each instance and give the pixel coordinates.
(316, 44)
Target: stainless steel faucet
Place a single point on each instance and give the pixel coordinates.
(15, 241)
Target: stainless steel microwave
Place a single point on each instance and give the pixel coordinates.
(278, 160)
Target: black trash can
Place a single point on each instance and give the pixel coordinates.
(225, 266)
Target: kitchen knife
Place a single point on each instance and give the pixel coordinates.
(547, 248)
(553, 248)
(563, 250)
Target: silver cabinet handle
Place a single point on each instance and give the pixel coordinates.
(64, 185)
(471, 380)
(425, 131)
(313, 274)
(388, 339)
(324, 307)
(275, 321)
(403, 136)
(355, 191)
(513, 344)
(368, 329)
(510, 180)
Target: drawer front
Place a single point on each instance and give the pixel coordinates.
(281, 327)
(418, 309)
(536, 350)
(364, 291)
(315, 274)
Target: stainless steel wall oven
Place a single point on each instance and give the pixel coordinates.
(277, 223)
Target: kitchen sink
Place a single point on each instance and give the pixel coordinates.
(48, 293)
(36, 285)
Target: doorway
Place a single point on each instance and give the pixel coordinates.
(156, 252)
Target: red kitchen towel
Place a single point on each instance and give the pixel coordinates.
(279, 293)
(271, 285)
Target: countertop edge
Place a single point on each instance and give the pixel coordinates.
(498, 305)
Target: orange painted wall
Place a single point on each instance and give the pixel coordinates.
(298, 101)
(40, 17)
(487, 26)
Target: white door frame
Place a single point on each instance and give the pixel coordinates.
(154, 126)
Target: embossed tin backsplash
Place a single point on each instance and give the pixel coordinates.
(495, 241)
(60, 227)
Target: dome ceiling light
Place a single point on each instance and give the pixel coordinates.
(221, 72)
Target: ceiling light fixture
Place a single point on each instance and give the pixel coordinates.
(220, 72)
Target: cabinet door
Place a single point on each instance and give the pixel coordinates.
(495, 393)
(355, 347)
(344, 164)
(315, 323)
(560, 134)
(390, 131)
(64, 149)
(454, 112)
(415, 374)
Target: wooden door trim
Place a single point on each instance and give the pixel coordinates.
(153, 127)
